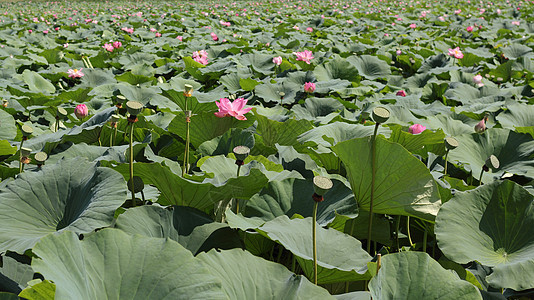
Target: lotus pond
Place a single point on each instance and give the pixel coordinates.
(267, 150)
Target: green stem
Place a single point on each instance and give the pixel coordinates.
(237, 200)
(20, 156)
(314, 234)
(446, 157)
(293, 263)
(186, 151)
(279, 255)
(353, 222)
(111, 137)
(115, 135)
(373, 174)
(480, 177)
(397, 226)
(131, 163)
(408, 229)
(425, 238)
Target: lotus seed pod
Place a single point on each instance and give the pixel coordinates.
(134, 108)
(188, 90)
(27, 130)
(380, 115)
(61, 112)
(451, 143)
(25, 152)
(115, 118)
(492, 162)
(241, 152)
(40, 157)
(120, 99)
(139, 185)
(282, 94)
(321, 185)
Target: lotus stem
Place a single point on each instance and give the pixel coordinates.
(397, 226)
(373, 174)
(425, 238)
(21, 165)
(293, 263)
(111, 137)
(408, 229)
(314, 235)
(237, 200)
(378, 262)
(131, 163)
(185, 169)
(480, 177)
(446, 157)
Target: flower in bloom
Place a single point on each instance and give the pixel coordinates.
(236, 109)
(117, 44)
(413, 26)
(305, 56)
(128, 30)
(469, 28)
(75, 73)
(417, 128)
(45, 31)
(277, 60)
(158, 34)
(65, 45)
(30, 31)
(223, 23)
(309, 29)
(309, 87)
(81, 111)
(401, 93)
(108, 47)
(478, 80)
(180, 38)
(456, 52)
(296, 27)
(515, 23)
(201, 57)
(398, 52)
(214, 36)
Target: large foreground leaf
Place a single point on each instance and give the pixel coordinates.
(415, 275)
(114, 265)
(70, 195)
(493, 225)
(246, 276)
(403, 186)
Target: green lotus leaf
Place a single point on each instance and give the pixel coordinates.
(516, 51)
(370, 67)
(360, 295)
(113, 264)
(225, 143)
(14, 276)
(416, 143)
(294, 196)
(517, 115)
(334, 133)
(9, 129)
(71, 195)
(278, 93)
(514, 151)
(240, 274)
(39, 290)
(292, 160)
(36, 82)
(94, 78)
(340, 257)
(191, 228)
(415, 275)
(491, 225)
(6, 148)
(450, 126)
(282, 133)
(194, 105)
(338, 68)
(403, 184)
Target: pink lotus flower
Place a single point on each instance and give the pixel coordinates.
(469, 28)
(236, 109)
(66, 45)
(398, 52)
(201, 57)
(417, 128)
(456, 52)
(45, 31)
(401, 93)
(515, 23)
(81, 111)
(481, 126)
(309, 29)
(309, 87)
(305, 56)
(223, 23)
(158, 34)
(214, 36)
(180, 38)
(413, 26)
(75, 73)
(117, 44)
(30, 31)
(277, 60)
(108, 47)
(478, 80)
(128, 30)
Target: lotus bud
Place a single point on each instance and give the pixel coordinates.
(81, 111)
(451, 143)
(241, 153)
(138, 184)
(40, 158)
(188, 90)
(134, 108)
(27, 130)
(492, 162)
(321, 185)
(380, 115)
